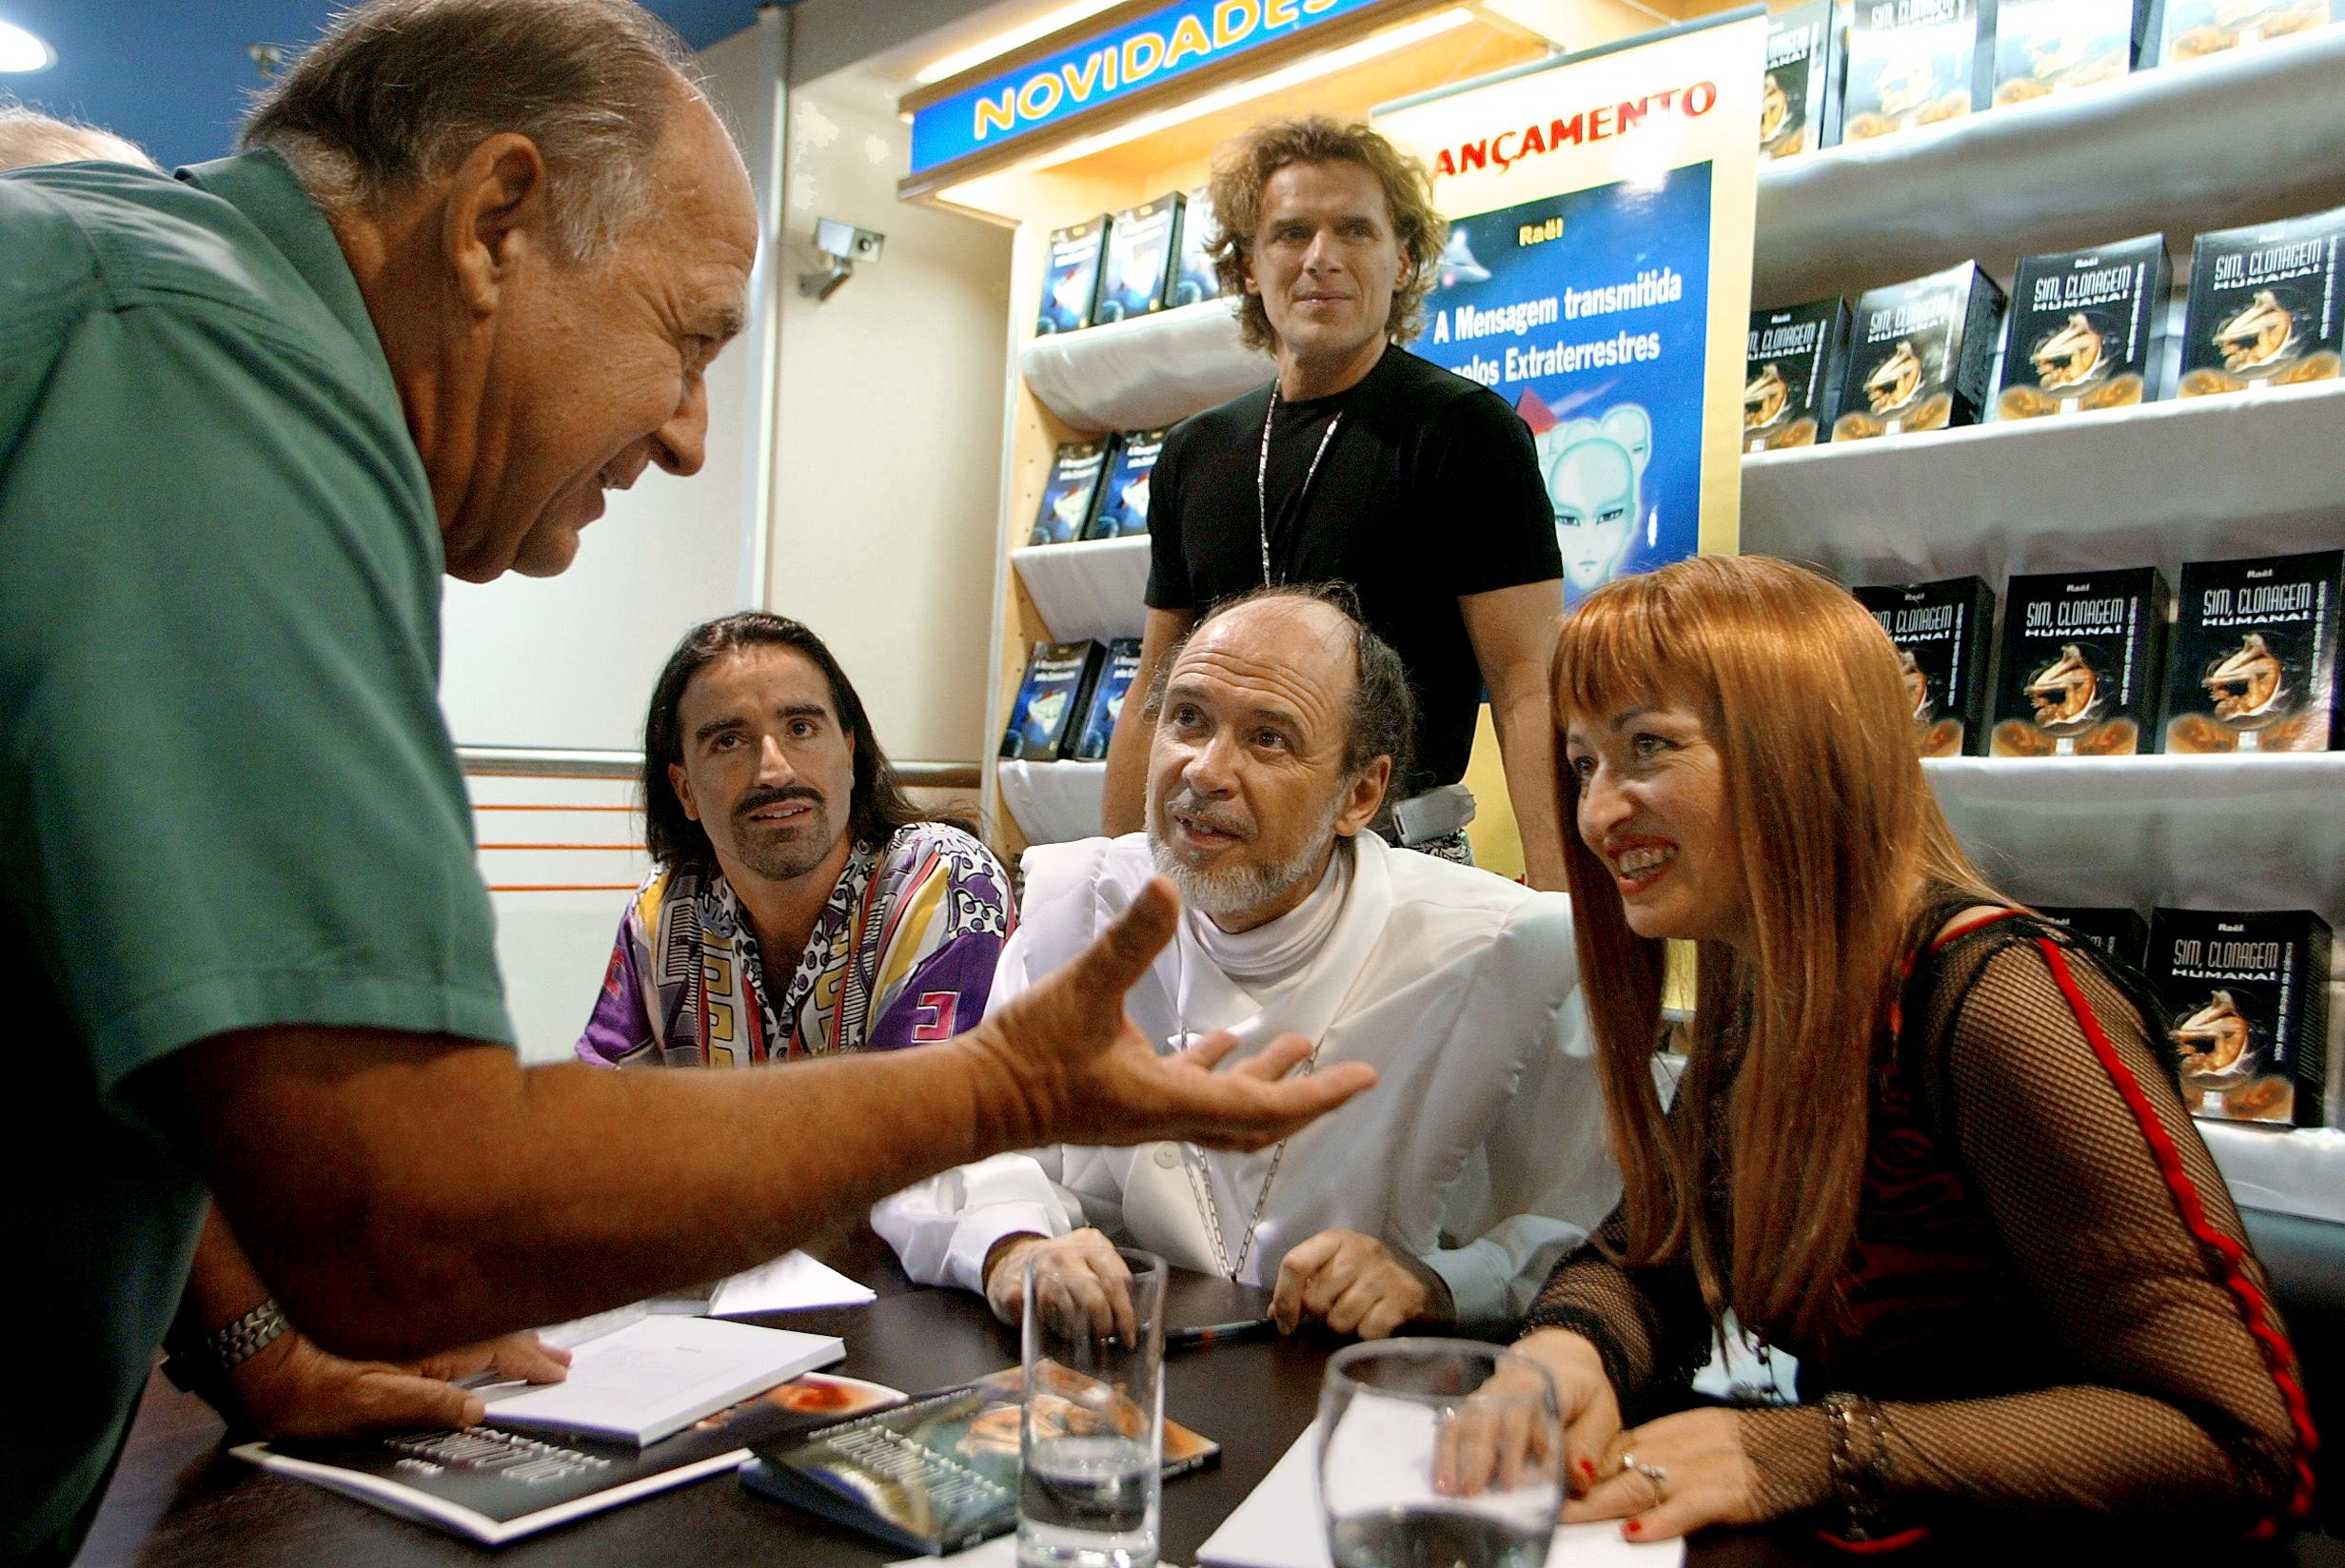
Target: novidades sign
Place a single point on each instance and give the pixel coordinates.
(1156, 48)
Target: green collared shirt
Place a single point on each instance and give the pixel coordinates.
(229, 799)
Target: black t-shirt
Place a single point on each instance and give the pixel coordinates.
(1428, 491)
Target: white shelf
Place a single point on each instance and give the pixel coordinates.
(1054, 802)
(2234, 138)
(1146, 372)
(2240, 474)
(1092, 588)
(2283, 1171)
(2237, 832)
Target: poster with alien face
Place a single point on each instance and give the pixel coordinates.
(1588, 313)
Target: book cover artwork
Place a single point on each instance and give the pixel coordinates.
(2043, 47)
(1070, 493)
(1920, 355)
(1108, 695)
(1942, 632)
(1798, 82)
(2254, 666)
(1193, 266)
(2196, 28)
(2249, 996)
(1139, 254)
(1050, 700)
(2263, 307)
(1911, 62)
(1123, 494)
(2084, 329)
(1788, 367)
(2082, 661)
(1071, 278)
(2116, 931)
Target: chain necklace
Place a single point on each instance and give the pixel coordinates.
(1262, 515)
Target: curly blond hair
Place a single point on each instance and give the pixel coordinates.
(1243, 168)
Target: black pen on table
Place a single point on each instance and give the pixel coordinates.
(1244, 1328)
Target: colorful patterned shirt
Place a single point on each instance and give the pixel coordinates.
(901, 954)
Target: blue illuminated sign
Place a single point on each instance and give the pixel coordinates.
(1157, 47)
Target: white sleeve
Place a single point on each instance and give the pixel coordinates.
(1542, 1181)
(942, 1229)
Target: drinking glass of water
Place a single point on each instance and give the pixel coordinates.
(1435, 1453)
(1091, 1438)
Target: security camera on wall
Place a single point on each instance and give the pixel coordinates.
(841, 245)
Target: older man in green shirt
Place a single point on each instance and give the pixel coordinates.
(468, 277)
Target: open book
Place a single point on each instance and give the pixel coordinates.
(492, 1486)
(658, 1375)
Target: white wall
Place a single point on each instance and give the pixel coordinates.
(888, 452)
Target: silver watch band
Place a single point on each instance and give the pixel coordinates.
(246, 1336)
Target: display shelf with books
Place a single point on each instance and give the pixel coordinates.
(1052, 802)
(2156, 484)
(1089, 589)
(2235, 138)
(1147, 371)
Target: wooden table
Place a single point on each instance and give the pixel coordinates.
(178, 1500)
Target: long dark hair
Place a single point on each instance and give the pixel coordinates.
(879, 807)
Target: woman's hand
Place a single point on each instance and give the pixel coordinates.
(1486, 1446)
(1673, 1476)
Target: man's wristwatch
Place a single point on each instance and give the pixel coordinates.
(248, 1336)
(200, 1362)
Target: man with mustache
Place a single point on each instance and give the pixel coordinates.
(1363, 464)
(1279, 725)
(799, 907)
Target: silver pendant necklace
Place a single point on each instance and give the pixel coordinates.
(1262, 502)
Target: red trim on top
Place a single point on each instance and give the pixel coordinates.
(1964, 930)
(1898, 1542)
(2279, 1355)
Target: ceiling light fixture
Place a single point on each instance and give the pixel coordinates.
(1262, 86)
(23, 51)
(1002, 43)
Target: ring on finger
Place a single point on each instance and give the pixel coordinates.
(1656, 1474)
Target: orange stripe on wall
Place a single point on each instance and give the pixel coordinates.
(479, 806)
(633, 848)
(562, 887)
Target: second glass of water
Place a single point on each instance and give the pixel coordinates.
(1435, 1453)
(1090, 1441)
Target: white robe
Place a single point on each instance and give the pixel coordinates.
(1480, 1151)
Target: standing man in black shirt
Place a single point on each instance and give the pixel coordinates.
(1363, 465)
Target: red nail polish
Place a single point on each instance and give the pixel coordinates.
(1587, 1468)
(1634, 1527)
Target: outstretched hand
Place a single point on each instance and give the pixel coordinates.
(1079, 1072)
(295, 1389)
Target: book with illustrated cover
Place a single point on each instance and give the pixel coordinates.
(1193, 268)
(2117, 931)
(1788, 369)
(1071, 491)
(2264, 306)
(2248, 995)
(2085, 329)
(1802, 57)
(2253, 662)
(1123, 494)
(1942, 632)
(2082, 664)
(940, 1473)
(2043, 47)
(1071, 277)
(1915, 63)
(1107, 694)
(1134, 278)
(1920, 354)
(494, 1486)
(1050, 700)
(2192, 30)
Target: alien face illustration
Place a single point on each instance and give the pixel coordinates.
(2213, 1041)
(1774, 108)
(1594, 485)
(1907, 83)
(1135, 498)
(2246, 684)
(1070, 295)
(1892, 386)
(1068, 510)
(1917, 685)
(2070, 357)
(2065, 693)
(1043, 713)
(2256, 336)
(1763, 397)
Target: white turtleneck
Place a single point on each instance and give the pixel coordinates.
(1263, 959)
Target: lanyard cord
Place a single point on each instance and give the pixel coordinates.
(1262, 478)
